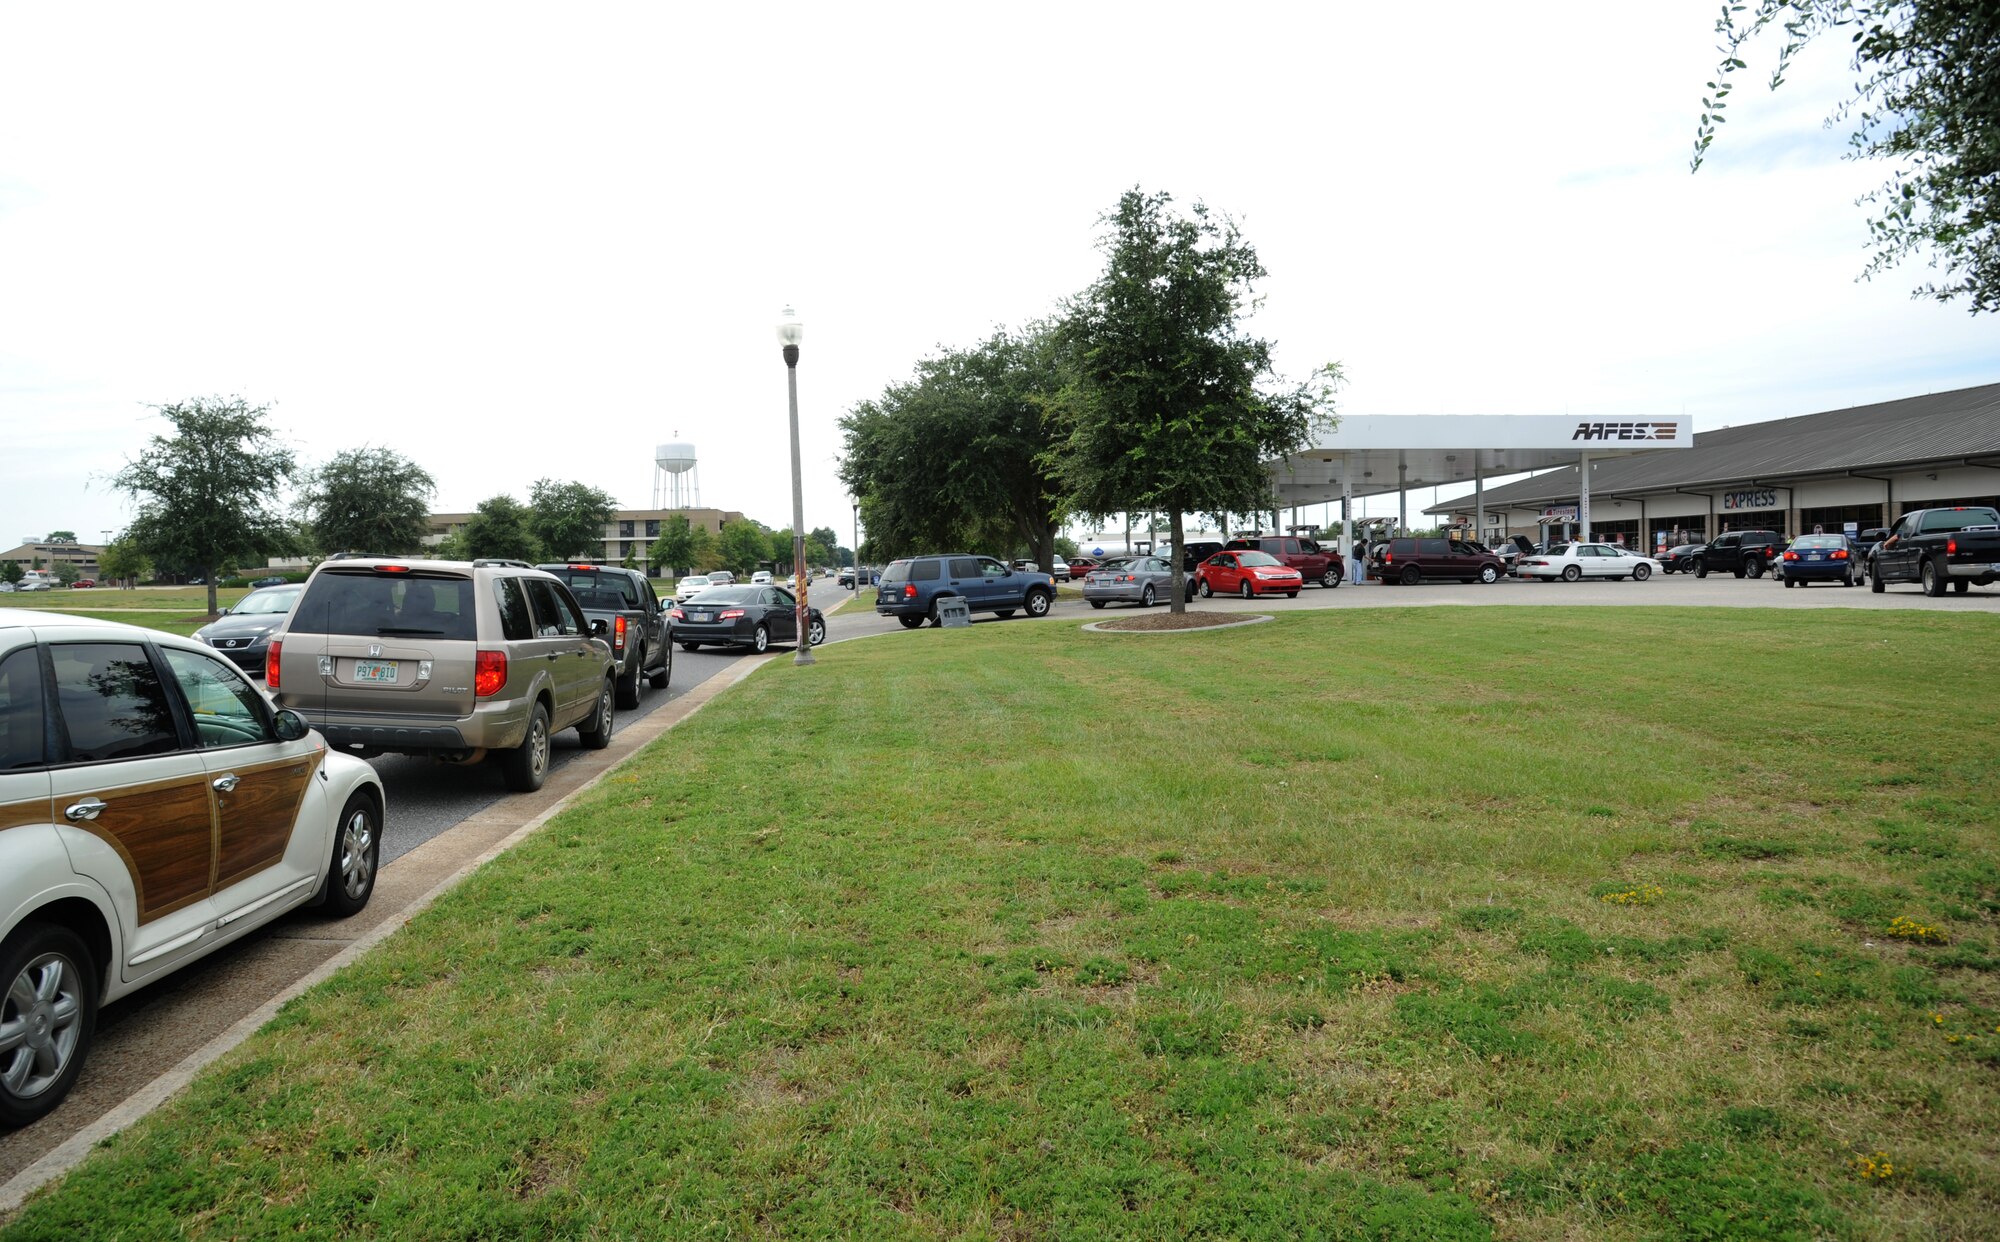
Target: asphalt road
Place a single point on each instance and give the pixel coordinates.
(152, 1032)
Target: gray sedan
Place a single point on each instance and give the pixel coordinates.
(1141, 580)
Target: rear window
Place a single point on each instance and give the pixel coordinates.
(605, 592)
(898, 571)
(112, 702)
(1946, 520)
(1820, 541)
(373, 605)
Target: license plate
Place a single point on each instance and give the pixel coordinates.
(370, 670)
(1814, 556)
(701, 616)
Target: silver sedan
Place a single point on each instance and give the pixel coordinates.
(1141, 580)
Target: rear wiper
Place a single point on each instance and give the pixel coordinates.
(385, 630)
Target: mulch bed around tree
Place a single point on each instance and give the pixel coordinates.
(1172, 621)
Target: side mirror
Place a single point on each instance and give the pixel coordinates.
(222, 612)
(291, 725)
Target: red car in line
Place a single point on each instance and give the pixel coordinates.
(1247, 574)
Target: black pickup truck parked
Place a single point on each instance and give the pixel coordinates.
(1744, 553)
(635, 624)
(1959, 546)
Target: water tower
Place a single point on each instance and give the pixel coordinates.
(676, 482)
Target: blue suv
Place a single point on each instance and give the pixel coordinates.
(910, 589)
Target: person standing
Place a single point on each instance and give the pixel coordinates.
(1358, 563)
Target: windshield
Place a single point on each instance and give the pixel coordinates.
(270, 600)
(1946, 520)
(1257, 558)
(694, 580)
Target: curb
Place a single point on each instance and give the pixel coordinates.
(1105, 627)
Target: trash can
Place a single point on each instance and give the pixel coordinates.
(953, 611)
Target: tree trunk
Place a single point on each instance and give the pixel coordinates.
(208, 576)
(1177, 598)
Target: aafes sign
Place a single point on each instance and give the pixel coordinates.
(1767, 499)
(1627, 431)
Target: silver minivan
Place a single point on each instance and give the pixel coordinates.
(460, 661)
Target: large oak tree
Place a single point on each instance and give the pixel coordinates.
(368, 500)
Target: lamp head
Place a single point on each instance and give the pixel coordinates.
(790, 330)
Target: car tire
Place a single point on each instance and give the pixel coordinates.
(1754, 567)
(815, 632)
(1641, 573)
(659, 680)
(1571, 573)
(1875, 584)
(527, 765)
(1789, 584)
(1244, 589)
(1701, 569)
(690, 646)
(1097, 603)
(1488, 575)
(357, 856)
(595, 730)
(1291, 595)
(1037, 603)
(1206, 590)
(53, 964)
(631, 688)
(1932, 580)
(760, 639)
(910, 623)
(1848, 581)
(1411, 575)
(1146, 596)
(1329, 579)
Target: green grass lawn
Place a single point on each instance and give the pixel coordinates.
(1429, 923)
(164, 599)
(180, 622)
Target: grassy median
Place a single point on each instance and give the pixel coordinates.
(1432, 923)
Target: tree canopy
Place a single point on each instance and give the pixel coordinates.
(123, 559)
(673, 548)
(568, 518)
(500, 527)
(742, 545)
(368, 500)
(207, 494)
(11, 571)
(1926, 99)
(1173, 405)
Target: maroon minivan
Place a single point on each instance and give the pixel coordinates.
(1315, 562)
(1410, 560)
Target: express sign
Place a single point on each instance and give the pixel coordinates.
(1750, 500)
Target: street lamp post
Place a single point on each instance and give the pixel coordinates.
(790, 333)
(855, 553)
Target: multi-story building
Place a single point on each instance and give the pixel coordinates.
(629, 530)
(41, 554)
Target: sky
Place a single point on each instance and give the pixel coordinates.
(517, 241)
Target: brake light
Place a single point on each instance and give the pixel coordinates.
(1951, 546)
(729, 614)
(271, 663)
(392, 569)
(909, 590)
(1387, 557)
(1840, 554)
(677, 614)
(1791, 556)
(489, 673)
(583, 567)
(618, 634)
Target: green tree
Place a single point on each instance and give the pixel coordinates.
(368, 500)
(954, 457)
(673, 548)
(123, 561)
(741, 545)
(778, 549)
(501, 527)
(207, 493)
(11, 572)
(701, 549)
(61, 536)
(568, 519)
(1926, 100)
(819, 549)
(1173, 408)
(67, 572)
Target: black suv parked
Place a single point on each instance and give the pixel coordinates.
(1744, 553)
(1410, 560)
(910, 589)
(634, 623)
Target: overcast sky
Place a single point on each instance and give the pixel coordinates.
(514, 241)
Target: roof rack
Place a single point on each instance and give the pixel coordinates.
(488, 562)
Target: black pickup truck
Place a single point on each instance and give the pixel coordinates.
(635, 624)
(1744, 553)
(1959, 546)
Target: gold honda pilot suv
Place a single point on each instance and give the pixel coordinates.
(461, 661)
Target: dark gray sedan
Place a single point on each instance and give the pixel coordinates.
(742, 616)
(1141, 580)
(243, 634)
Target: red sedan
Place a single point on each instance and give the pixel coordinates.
(1247, 574)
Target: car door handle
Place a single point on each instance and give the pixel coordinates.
(227, 782)
(80, 811)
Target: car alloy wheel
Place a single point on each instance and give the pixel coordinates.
(1146, 596)
(815, 632)
(1641, 573)
(1571, 573)
(760, 640)
(1037, 603)
(357, 852)
(1243, 588)
(1488, 575)
(1701, 569)
(1932, 580)
(1412, 575)
(1206, 590)
(48, 1012)
(1329, 579)
(528, 763)
(598, 735)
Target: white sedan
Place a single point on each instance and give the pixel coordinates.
(692, 585)
(1572, 561)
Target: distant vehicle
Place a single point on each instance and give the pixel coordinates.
(721, 577)
(1080, 567)
(1141, 580)
(1060, 570)
(690, 586)
(1410, 560)
(1316, 562)
(1817, 558)
(1247, 573)
(635, 624)
(753, 616)
(83, 584)
(761, 578)
(1573, 561)
(273, 580)
(1027, 567)
(911, 588)
(242, 635)
(1959, 546)
(1745, 553)
(32, 584)
(1679, 559)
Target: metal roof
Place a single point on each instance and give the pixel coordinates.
(1936, 427)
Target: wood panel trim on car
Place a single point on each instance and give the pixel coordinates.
(254, 822)
(167, 871)
(23, 814)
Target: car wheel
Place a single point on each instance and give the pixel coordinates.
(1789, 584)
(1243, 588)
(1848, 581)
(1754, 567)
(1701, 569)
(1037, 603)
(760, 639)
(815, 632)
(659, 680)
(631, 687)
(1207, 591)
(1875, 583)
(690, 646)
(1571, 573)
(1411, 575)
(50, 1009)
(1641, 573)
(1933, 580)
(1146, 596)
(528, 763)
(1488, 575)
(1291, 595)
(357, 853)
(1329, 579)
(910, 623)
(596, 731)
(1097, 603)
